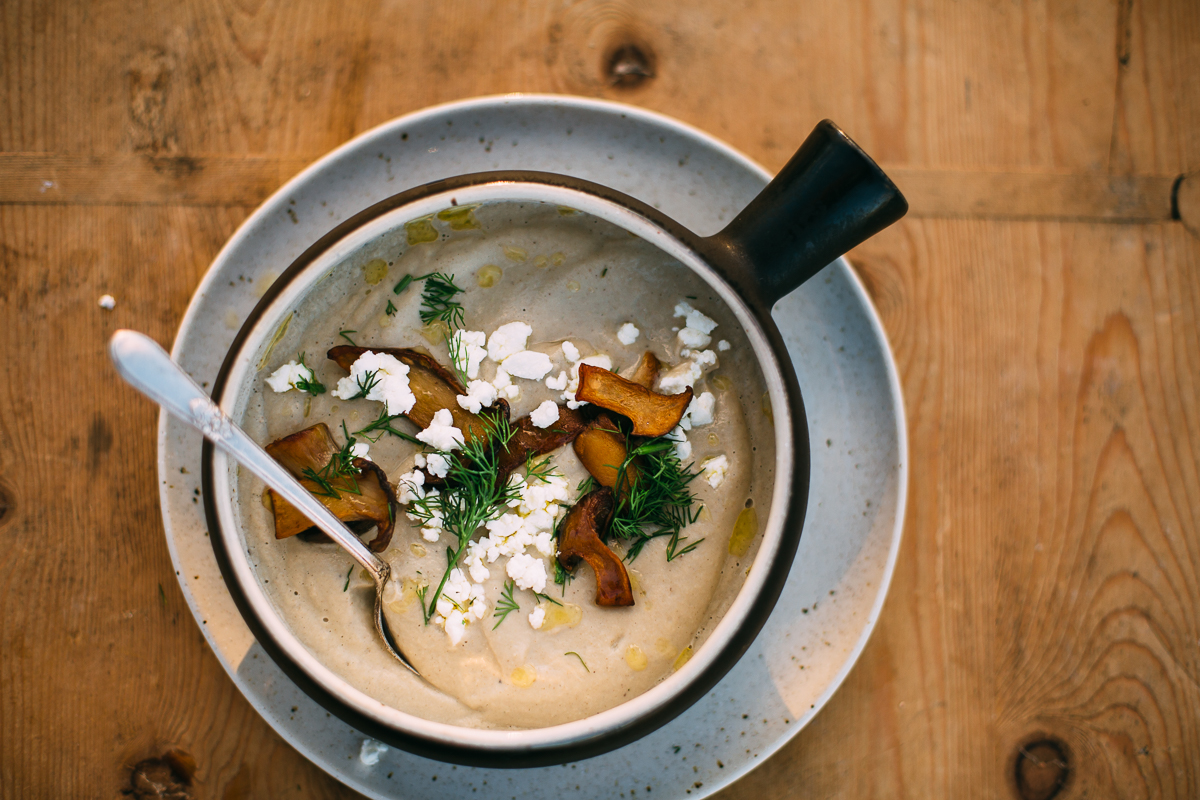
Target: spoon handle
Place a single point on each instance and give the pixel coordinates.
(149, 369)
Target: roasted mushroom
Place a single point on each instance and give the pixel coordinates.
(435, 387)
(601, 450)
(645, 372)
(579, 538)
(362, 497)
(530, 440)
(652, 414)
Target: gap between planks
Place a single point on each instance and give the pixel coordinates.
(136, 179)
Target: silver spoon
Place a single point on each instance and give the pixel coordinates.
(149, 369)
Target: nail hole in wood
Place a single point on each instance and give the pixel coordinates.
(1042, 769)
(629, 65)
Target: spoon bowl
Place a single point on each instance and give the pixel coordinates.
(145, 366)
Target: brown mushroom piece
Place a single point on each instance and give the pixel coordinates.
(579, 539)
(529, 440)
(434, 386)
(645, 372)
(601, 449)
(652, 414)
(361, 501)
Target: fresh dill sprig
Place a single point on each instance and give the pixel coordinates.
(343, 334)
(472, 495)
(506, 604)
(581, 661)
(437, 300)
(382, 425)
(366, 382)
(347, 586)
(340, 469)
(658, 503)
(546, 597)
(391, 309)
(313, 387)
(404, 283)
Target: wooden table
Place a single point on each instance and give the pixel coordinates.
(1041, 301)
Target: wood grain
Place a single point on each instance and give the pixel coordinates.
(1042, 306)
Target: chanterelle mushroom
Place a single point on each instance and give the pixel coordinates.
(579, 538)
(355, 490)
(652, 414)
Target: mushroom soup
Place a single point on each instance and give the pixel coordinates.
(556, 435)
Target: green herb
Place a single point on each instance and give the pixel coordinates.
(546, 597)
(561, 576)
(404, 283)
(658, 503)
(391, 309)
(581, 661)
(366, 382)
(421, 591)
(347, 338)
(382, 425)
(506, 604)
(437, 300)
(690, 296)
(340, 469)
(347, 586)
(603, 272)
(313, 387)
(473, 495)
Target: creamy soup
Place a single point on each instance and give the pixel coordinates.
(582, 286)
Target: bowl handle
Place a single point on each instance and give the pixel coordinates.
(828, 198)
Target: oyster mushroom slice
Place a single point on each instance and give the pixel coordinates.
(435, 387)
(652, 414)
(529, 440)
(579, 539)
(368, 498)
(601, 449)
(645, 372)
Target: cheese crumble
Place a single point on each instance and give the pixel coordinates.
(388, 378)
(286, 377)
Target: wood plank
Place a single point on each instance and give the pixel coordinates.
(35, 178)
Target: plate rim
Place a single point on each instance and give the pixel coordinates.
(606, 107)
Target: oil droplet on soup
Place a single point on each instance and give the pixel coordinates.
(488, 275)
(635, 657)
(460, 218)
(374, 271)
(721, 383)
(541, 262)
(744, 531)
(567, 614)
(417, 549)
(524, 676)
(420, 230)
(513, 253)
(684, 656)
(573, 286)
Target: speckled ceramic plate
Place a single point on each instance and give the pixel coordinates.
(851, 392)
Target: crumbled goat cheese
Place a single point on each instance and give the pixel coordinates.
(545, 415)
(537, 617)
(527, 571)
(699, 411)
(359, 450)
(723, 345)
(685, 374)
(466, 347)
(370, 752)
(528, 364)
(714, 470)
(559, 383)
(628, 333)
(410, 487)
(438, 465)
(479, 394)
(441, 433)
(508, 339)
(504, 385)
(457, 604)
(108, 302)
(683, 448)
(285, 378)
(696, 330)
(390, 385)
(531, 523)
(570, 351)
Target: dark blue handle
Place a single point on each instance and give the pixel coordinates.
(828, 198)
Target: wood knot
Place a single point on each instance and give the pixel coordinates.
(629, 65)
(8, 504)
(1042, 769)
(166, 777)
